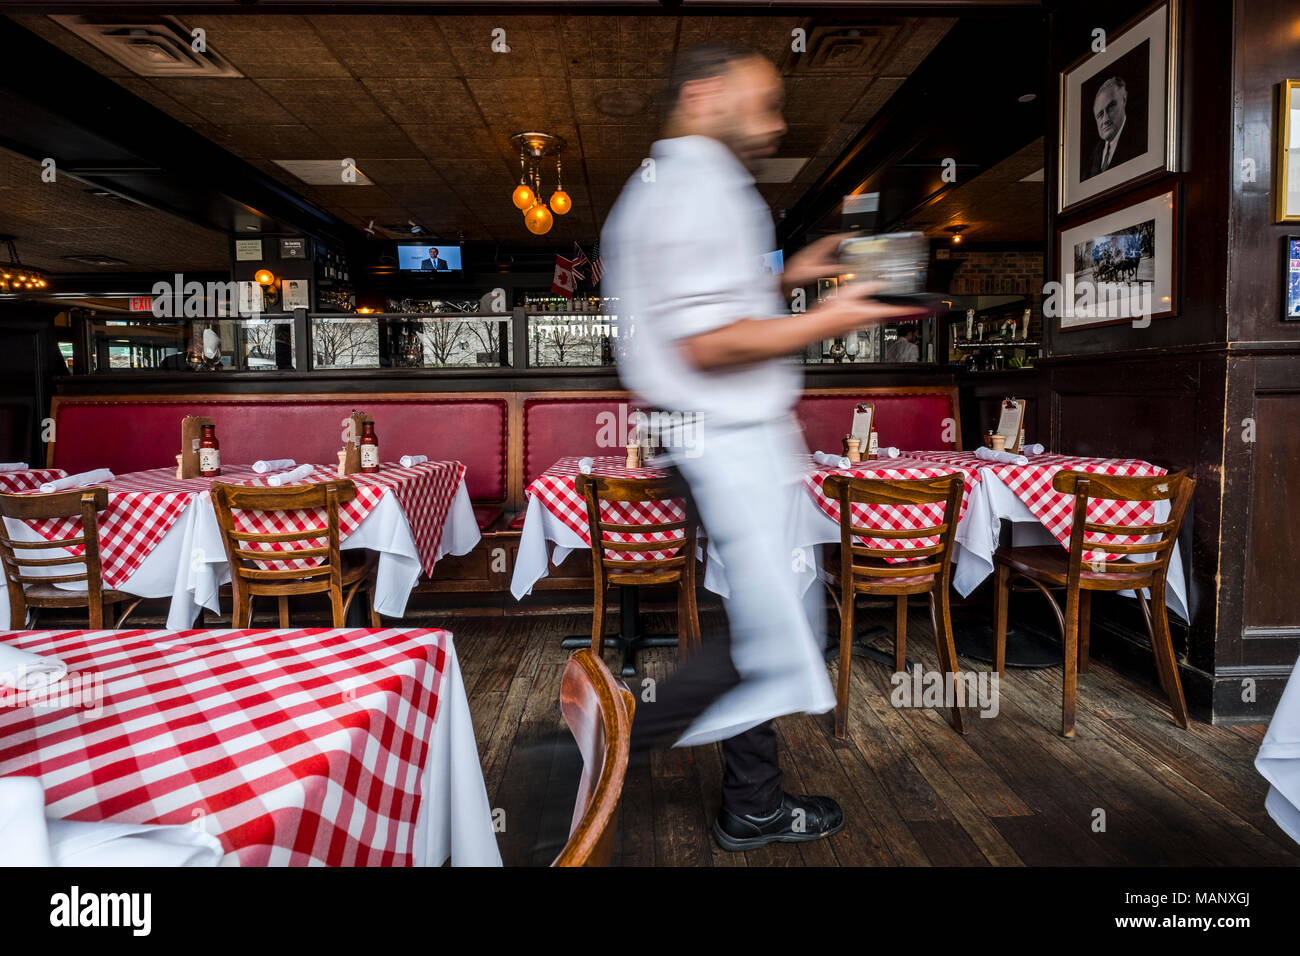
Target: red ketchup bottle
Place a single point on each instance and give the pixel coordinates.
(369, 449)
(209, 453)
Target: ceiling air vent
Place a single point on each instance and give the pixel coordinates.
(149, 46)
(845, 48)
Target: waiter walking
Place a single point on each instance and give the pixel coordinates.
(710, 343)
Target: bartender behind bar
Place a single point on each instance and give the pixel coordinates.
(711, 341)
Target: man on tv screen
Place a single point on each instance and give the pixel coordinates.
(434, 262)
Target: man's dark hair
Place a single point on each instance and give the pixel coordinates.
(700, 62)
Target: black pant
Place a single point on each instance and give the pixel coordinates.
(751, 778)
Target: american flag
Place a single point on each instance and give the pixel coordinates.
(596, 268)
(579, 260)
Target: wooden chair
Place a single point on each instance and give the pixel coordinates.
(40, 591)
(249, 574)
(1051, 567)
(598, 709)
(864, 570)
(679, 568)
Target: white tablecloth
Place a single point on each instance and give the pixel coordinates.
(545, 538)
(1279, 759)
(455, 818)
(189, 563)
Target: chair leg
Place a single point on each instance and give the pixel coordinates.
(598, 624)
(1085, 629)
(1001, 598)
(375, 622)
(942, 623)
(130, 608)
(96, 610)
(684, 643)
(846, 662)
(693, 609)
(1070, 678)
(1163, 645)
(283, 602)
(338, 611)
(900, 634)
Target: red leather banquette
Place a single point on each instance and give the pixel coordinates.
(505, 440)
(132, 433)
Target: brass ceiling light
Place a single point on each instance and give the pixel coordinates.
(527, 196)
(18, 278)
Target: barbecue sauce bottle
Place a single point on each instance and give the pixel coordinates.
(209, 453)
(369, 449)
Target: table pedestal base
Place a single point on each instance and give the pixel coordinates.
(630, 637)
(1025, 647)
(863, 648)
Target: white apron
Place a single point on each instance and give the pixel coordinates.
(745, 479)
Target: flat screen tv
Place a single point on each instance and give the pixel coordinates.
(428, 257)
(773, 262)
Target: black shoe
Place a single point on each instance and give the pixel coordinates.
(798, 820)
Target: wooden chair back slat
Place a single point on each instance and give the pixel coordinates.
(598, 710)
(596, 489)
(1086, 486)
(262, 571)
(847, 491)
(83, 503)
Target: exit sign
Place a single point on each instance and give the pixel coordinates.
(141, 303)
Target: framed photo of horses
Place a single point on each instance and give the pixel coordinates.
(1118, 268)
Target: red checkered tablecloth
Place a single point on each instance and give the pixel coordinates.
(14, 482)
(1032, 484)
(424, 492)
(291, 747)
(142, 507)
(557, 491)
(891, 517)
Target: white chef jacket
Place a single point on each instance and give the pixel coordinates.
(682, 250)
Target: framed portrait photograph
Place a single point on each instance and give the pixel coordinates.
(1291, 278)
(297, 294)
(1118, 110)
(1121, 267)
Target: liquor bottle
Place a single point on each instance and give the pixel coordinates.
(873, 444)
(369, 449)
(209, 453)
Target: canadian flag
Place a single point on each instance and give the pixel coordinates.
(564, 281)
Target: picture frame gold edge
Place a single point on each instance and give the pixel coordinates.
(1283, 101)
(1172, 100)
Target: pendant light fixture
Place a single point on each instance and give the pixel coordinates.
(527, 196)
(18, 278)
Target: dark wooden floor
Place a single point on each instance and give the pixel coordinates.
(1130, 789)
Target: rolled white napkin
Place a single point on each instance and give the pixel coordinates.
(1034, 449)
(29, 838)
(82, 480)
(14, 466)
(585, 465)
(273, 464)
(831, 461)
(410, 461)
(1006, 457)
(288, 477)
(889, 452)
(24, 671)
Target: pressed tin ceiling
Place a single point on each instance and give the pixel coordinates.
(426, 108)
